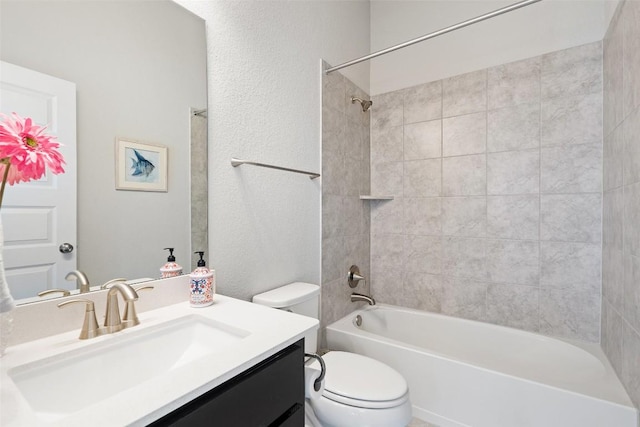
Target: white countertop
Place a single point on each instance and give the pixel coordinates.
(269, 330)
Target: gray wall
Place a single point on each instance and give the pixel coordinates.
(265, 105)
(497, 182)
(621, 225)
(138, 67)
(345, 218)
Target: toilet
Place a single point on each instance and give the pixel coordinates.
(358, 390)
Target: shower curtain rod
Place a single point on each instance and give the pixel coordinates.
(434, 34)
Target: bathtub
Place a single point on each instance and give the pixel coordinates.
(466, 373)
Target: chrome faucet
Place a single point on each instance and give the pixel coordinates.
(83, 282)
(359, 297)
(112, 320)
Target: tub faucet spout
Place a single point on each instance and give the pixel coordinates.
(355, 297)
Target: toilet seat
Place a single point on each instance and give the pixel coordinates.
(356, 380)
(368, 404)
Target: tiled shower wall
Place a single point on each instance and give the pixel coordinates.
(345, 175)
(497, 179)
(621, 225)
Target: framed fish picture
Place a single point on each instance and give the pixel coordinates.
(140, 166)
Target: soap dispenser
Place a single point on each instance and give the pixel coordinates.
(171, 268)
(202, 284)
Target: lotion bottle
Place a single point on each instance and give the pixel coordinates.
(202, 284)
(171, 268)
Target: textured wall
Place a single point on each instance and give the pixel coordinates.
(497, 182)
(621, 225)
(264, 75)
(345, 171)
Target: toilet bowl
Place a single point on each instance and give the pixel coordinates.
(358, 390)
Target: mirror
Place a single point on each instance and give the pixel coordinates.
(140, 73)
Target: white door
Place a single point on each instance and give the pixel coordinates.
(39, 216)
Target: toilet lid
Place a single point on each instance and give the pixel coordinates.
(361, 378)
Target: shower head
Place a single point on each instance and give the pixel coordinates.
(365, 104)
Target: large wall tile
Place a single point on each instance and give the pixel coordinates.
(423, 140)
(514, 83)
(513, 172)
(422, 216)
(387, 178)
(464, 298)
(388, 111)
(422, 292)
(613, 277)
(513, 305)
(612, 335)
(632, 290)
(354, 140)
(573, 71)
(332, 214)
(632, 219)
(570, 314)
(613, 157)
(464, 134)
(613, 75)
(464, 94)
(353, 218)
(333, 89)
(570, 266)
(513, 261)
(423, 102)
(571, 169)
(464, 216)
(513, 128)
(613, 219)
(631, 55)
(333, 172)
(570, 217)
(333, 254)
(464, 176)
(422, 178)
(513, 217)
(632, 148)
(387, 216)
(423, 254)
(387, 252)
(464, 257)
(386, 145)
(387, 285)
(631, 362)
(333, 122)
(572, 120)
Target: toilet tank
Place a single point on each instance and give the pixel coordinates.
(300, 298)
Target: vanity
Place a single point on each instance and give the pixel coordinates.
(233, 363)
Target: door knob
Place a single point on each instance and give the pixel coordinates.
(66, 248)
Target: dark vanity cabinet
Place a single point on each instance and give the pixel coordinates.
(270, 393)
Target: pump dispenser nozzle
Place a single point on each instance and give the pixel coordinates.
(171, 258)
(201, 262)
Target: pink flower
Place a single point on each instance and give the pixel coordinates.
(28, 148)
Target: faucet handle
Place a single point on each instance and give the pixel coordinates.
(111, 282)
(90, 328)
(65, 292)
(130, 316)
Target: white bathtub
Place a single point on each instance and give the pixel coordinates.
(466, 373)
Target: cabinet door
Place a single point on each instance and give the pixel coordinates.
(270, 393)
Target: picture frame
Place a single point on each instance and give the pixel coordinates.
(141, 166)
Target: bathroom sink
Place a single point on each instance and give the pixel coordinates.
(59, 385)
